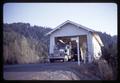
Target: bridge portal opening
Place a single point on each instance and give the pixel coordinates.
(68, 44)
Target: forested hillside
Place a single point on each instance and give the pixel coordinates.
(109, 51)
(23, 43)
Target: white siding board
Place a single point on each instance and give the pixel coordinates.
(52, 43)
(69, 30)
(97, 48)
(90, 47)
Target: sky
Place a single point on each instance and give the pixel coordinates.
(97, 16)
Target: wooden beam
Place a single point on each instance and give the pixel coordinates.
(78, 51)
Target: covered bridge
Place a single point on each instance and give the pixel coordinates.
(86, 41)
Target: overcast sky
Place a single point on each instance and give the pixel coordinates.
(97, 16)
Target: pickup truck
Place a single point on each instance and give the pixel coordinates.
(61, 54)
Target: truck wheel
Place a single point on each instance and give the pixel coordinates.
(51, 60)
(63, 60)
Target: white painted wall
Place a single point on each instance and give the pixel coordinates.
(90, 47)
(97, 49)
(69, 30)
(52, 44)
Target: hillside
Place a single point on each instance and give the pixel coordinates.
(109, 51)
(24, 43)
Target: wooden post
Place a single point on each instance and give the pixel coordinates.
(78, 51)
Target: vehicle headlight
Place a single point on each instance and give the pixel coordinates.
(66, 57)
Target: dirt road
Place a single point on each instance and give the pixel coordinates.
(49, 71)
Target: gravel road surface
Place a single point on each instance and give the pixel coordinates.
(48, 71)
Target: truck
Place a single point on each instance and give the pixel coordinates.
(62, 52)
